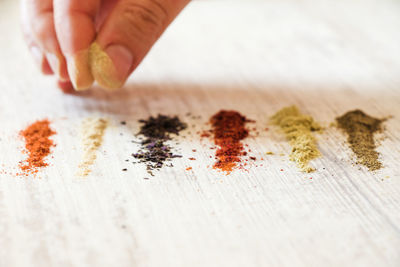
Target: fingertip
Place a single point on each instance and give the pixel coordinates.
(66, 87)
(122, 59)
(45, 68)
(75, 27)
(79, 70)
(41, 60)
(58, 65)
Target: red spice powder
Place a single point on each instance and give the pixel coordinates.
(37, 145)
(205, 134)
(228, 130)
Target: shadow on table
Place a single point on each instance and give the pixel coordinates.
(139, 100)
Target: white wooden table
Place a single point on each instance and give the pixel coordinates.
(327, 57)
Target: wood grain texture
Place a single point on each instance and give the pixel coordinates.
(327, 57)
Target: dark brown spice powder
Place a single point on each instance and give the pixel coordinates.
(360, 129)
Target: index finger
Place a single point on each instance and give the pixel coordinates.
(75, 27)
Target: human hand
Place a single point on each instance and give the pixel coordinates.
(81, 41)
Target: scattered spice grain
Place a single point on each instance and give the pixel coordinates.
(38, 146)
(360, 129)
(299, 129)
(205, 134)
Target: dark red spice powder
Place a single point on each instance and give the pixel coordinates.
(37, 145)
(205, 134)
(228, 131)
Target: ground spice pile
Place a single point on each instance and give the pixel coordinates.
(228, 131)
(299, 129)
(91, 138)
(360, 129)
(38, 146)
(155, 151)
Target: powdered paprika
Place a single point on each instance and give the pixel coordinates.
(37, 145)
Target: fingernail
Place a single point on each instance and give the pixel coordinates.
(110, 67)
(37, 55)
(57, 63)
(40, 60)
(79, 70)
(66, 87)
(54, 63)
(122, 59)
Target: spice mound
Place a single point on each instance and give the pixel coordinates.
(157, 131)
(228, 131)
(38, 146)
(298, 129)
(92, 138)
(360, 129)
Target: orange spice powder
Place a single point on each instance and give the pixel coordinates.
(37, 145)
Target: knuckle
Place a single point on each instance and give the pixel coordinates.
(146, 17)
(38, 18)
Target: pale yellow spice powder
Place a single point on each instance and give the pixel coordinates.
(299, 129)
(102, 68)
(92, 137)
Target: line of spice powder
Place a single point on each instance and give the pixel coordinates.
(38, 146)
(228, 131)
(298, 129)
(155, 151)
(360, 129)
(92, 133)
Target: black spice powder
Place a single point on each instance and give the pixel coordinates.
(155, 151)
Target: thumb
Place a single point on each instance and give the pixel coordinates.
(126, 37)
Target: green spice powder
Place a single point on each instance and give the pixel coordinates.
(299, 129)
(360, 129)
